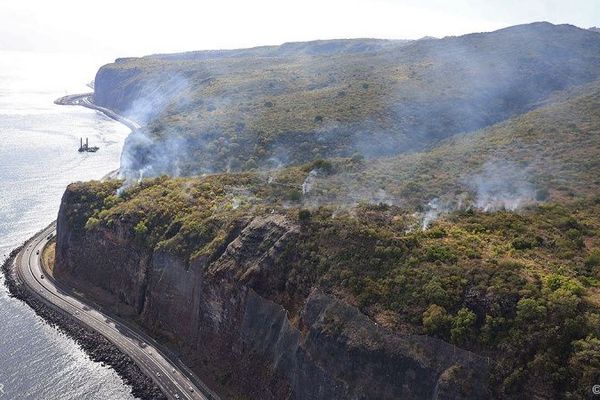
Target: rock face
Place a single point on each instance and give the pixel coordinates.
(231, 317)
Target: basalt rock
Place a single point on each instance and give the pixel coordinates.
(231, 318)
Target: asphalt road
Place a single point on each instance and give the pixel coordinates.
(85, 100)
(169, 373)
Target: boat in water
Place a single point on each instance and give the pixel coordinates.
(85, 147)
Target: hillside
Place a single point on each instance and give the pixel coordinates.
(321, 277)
(266, 107)
(550, 153)
(357, 218)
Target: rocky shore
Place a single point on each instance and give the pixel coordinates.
(97, 347)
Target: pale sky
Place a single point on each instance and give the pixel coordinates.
(136, 27)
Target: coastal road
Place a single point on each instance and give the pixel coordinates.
(86, 100)
(169, 373)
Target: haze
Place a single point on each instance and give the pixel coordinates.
(124, 28)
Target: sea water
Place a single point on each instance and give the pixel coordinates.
(38, 159)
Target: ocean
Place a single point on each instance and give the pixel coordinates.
(38, 159)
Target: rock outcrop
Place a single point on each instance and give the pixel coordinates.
(233, 318)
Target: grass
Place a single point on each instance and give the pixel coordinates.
(48, 257)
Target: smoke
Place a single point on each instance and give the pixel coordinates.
(433, 211)
(437, 207)
(236, 113)
(498, 185)
(156, 95)
(140, 158)
(308, 183)
(502, 185)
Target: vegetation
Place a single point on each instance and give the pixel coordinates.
(48, 257)
(532, 308)
(264, 107)
(299, 128)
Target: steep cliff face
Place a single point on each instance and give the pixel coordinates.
(249, 330)
(116, 88)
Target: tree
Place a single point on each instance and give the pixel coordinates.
(462, 325)
(436, 320)
(584, 363)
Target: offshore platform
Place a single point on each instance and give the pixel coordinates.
(86, 147)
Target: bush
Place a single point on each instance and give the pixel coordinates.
(295, 195)
(357, 157)
(91, 223)
(462, 325)
(585, 364)
(436, 320)
(555, 282)
(542, 194)
(529, 310)
(593, 259)
(522, 244)
(140, 230)
(325, 167)
(304, 215)
(440, 253)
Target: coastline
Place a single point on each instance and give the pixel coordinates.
(93, 343)
(96, 346)
(87, 100)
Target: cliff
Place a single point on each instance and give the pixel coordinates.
(468, 268)
(235, 319)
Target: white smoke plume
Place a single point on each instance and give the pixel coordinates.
(433, 211)
(502, 185)
(308, 183)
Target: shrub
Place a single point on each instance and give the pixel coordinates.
(542, 194)
(555, 282)
(295, 195)
(91, 223)
(304, 215)
(436, 320)
(140, 230)
(529, 310)
(440, 253)
(585, 364)
(357, 157)
(593, 259)
(462, 325)
(522, 244)
(325, 167)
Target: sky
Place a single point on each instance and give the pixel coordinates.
(133, 27)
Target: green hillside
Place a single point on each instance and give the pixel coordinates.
(243, 109)
(445, 187)
(522, 287)
(554, 149)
